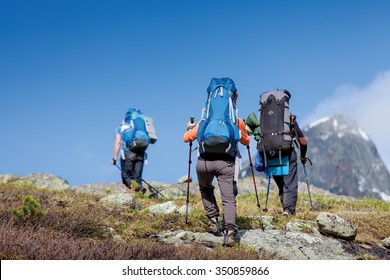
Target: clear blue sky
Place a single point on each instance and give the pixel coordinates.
(69, 70)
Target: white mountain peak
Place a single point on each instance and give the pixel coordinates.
(341, 125)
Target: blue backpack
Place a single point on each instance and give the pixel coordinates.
(218, 132)
(134, 134)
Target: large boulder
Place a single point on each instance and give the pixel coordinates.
(39, 180)
(8, 178)
(330, 224)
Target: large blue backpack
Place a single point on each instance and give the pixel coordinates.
(134, 134)
(218, 132)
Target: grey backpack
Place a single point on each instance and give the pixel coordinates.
(274, 116)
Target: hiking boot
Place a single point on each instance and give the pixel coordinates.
(140, 189)
(230, 238)
(287, 213)
(214, 226)
(137, 187)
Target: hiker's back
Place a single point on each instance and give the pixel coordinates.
(218, 133)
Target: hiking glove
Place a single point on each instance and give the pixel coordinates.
(190, 125)
(303, 160)
(113, 161)
(248, 130)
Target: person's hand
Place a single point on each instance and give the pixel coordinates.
(303, 160)
(190, 125)
(248, 130)
(113, 161)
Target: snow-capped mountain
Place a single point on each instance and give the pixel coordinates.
(345, 160)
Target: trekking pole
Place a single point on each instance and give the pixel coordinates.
(189, 175)
(121, 170)
(150, 186)
(307, 183)
(254, 185)
(266, 200)
(123, 173)
(154, 189)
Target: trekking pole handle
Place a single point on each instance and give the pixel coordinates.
(191, 126)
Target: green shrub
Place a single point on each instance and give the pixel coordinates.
(31, 209)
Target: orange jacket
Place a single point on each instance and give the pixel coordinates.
(190, 135)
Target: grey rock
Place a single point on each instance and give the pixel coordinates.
(294, 245)
(183, 179)
(208, 238)
(302, 226)
(102, 188)
(183, 209)
(164, 208)
(268, 221)
(174, 192)
(39, 180)
(170, 237)
(186, 235)
(117, 238)
(108, 232)
(46, 181)
(8, 178)
(283, 245)
(121, 199)
(111, 233)
(336, 226)
(386, 242)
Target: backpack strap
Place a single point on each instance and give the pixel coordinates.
(293, 133)
(231, 108)
(208, 105)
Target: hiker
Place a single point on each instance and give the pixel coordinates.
(131, 141)
(288, 184)
(217, 155)
(279, 130)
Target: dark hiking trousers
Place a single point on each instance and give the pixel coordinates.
(224, 172)
(288, 185)
(132, 167)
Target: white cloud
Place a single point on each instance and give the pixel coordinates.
(367, 105)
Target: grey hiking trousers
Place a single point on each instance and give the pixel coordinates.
(224, 172)
(288, 184)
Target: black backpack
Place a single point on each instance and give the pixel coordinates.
(275, 124)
